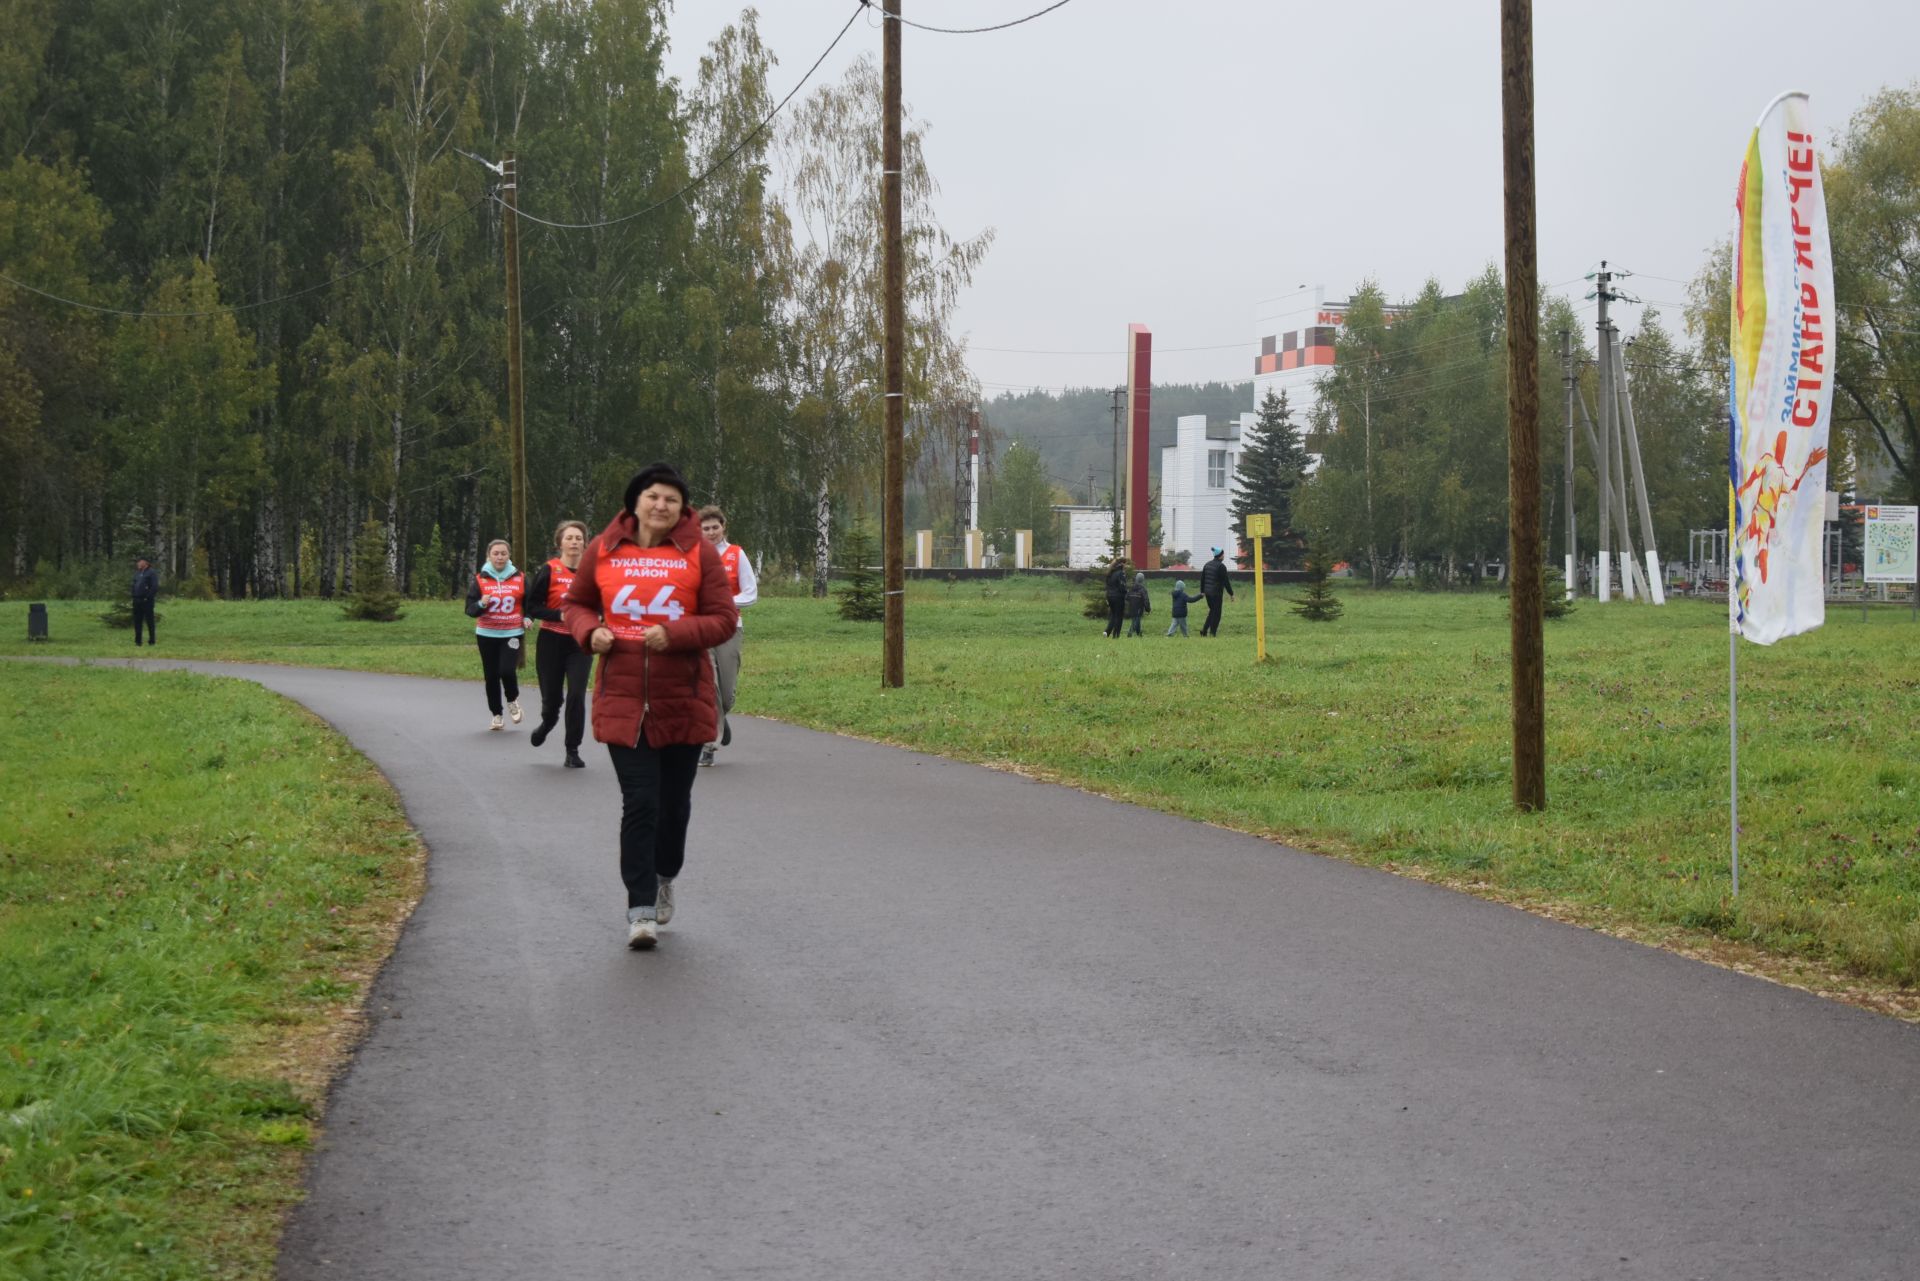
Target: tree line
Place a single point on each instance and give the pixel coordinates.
(256, 298)
(1409, 427)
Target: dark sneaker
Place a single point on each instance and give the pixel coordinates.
(706, 754)
(541, 731)
(574, 761)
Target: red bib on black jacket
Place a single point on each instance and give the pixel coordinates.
(559, 578)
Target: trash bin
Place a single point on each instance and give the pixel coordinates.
(37, 621)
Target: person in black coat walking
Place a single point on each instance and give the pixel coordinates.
(146, 588)
(1137, 604)
(1116, 597)
(1213, 583)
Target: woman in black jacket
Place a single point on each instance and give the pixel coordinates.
(563, 667)
(1116, 597)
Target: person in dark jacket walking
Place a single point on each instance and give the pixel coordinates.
(146, 589)
(563, 667)
(651, 597)
(1213, 583)
(1180, 599)
(1116, 597)
(1137, 604)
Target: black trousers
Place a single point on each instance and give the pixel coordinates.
(656, 804)
(561, 663)
(498, 659)
(142, 612)
(1116, 614)
(1212, 626)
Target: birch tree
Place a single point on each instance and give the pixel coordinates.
(831, 153)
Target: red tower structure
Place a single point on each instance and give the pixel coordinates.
(1134, 491)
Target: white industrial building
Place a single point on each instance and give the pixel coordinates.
(1196, 485)
(1294, 342)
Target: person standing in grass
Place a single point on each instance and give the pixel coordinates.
(1137, 604)
(496, 599)
(146, 590)
(746, 590)
(1180, 600)
(562, 666)
(1116, 596)
(1214, 582)
(652, 597)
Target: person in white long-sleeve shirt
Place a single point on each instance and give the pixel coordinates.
(746, 590)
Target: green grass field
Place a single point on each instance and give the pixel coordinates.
(197, 880)
(1382, 737)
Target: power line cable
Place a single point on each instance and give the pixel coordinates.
(717, 165)
(434, 230)
(969, 31)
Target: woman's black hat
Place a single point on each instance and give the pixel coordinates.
(656, 474)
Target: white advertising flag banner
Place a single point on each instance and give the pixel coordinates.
(1781, 390)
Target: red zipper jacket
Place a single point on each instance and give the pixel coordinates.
(668, 695)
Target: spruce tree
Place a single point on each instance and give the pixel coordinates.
(130, 543)
(860, 599)
(1319, 605)
(1553, 595)
(375, 599)
(1269, 472)
(1094, 605)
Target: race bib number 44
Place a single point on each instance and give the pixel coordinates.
(662, 608)
(647, 588)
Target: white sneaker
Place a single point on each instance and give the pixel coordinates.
(663, 900)
(497, 724)
(513, 710)
(642, 935)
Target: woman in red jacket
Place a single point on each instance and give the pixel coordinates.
(651, 596)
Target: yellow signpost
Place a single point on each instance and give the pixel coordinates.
(1259, 526)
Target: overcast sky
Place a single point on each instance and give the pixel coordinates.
(1175, 163)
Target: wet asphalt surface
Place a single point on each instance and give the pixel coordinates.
(921, 1019)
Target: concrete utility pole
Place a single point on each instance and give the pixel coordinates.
(516, 383)
(1523, 408)
(1616, 460)
(893, 560)
(1603, 581)
(1655, 590)
(1573, 530)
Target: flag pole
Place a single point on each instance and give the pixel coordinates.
(1733, 623)
(1733, 744)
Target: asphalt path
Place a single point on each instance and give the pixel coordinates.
(921, 1019)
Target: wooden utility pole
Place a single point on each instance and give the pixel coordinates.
(1523, 408)
(894, 519)
(516, 386)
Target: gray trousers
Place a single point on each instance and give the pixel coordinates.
(726, 675)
